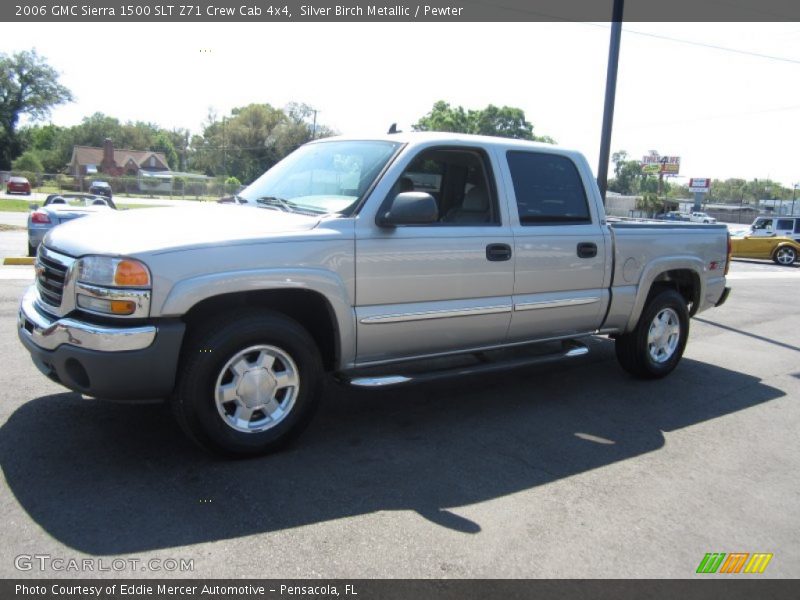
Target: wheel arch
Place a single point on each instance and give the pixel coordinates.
(309, 308)
(683, 276)
(317, 300)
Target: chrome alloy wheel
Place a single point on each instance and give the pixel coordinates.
(663, 335)
(257, 388)
(785, 256)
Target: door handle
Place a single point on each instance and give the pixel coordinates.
(498, 252)
(587, 250)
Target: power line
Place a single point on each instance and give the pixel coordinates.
(712, 118)
(714, 47)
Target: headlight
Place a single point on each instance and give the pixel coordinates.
(114, 272)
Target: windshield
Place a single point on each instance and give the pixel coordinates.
(78, 203)
(325, 177)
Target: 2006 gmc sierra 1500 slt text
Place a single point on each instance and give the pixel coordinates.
(368, 258)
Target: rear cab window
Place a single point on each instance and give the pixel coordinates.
(548, 189)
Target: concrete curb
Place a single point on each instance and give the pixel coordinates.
(19, 260)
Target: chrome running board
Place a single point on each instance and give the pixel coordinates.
(373, 379)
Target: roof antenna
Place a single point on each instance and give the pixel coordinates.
(393, 129)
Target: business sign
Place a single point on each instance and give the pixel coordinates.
(699, 184)
(664, 165)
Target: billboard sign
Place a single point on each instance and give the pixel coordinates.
(699, 185)
(664, 165)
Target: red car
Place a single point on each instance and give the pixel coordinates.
(18, 185)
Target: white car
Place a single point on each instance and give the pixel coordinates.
(701, 217)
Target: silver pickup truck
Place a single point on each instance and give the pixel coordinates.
(383, 261)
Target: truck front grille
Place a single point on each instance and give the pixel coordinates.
(50, 276)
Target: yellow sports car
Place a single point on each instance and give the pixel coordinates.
(782, 250)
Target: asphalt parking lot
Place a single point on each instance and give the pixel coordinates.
(573, 470)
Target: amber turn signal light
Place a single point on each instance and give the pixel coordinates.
(131, 273)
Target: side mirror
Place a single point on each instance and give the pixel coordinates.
(33, 206)
(410, 208)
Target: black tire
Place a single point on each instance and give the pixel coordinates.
(207, 351)
(633, 349)
(784, 256)
(31, 250)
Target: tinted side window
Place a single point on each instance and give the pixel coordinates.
(785, 224)
(548, 187)
(797, 225)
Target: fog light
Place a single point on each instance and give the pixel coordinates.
(110, 307)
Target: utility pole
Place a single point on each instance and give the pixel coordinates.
(611, 91)
(794, 195)
(314, 126)
(224, 151)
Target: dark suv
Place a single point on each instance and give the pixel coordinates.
(101, 188)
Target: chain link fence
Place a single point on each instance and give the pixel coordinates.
(183, 186)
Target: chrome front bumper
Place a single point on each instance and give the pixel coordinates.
(49, 332)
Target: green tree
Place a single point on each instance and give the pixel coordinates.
(43, 141)
(630, 179)
(650, 203)
(619, 158)
(443, 117)
(163, 143)
(741, 191)
(28, 161)
(505, 121)
(30, 87)
(251, 139)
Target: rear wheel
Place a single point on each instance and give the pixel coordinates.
(31, 249)
(785, 255)
(248, 383)
(655, 347)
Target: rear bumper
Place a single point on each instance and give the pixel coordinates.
(723, 297)
(36, 234)
(123, 363)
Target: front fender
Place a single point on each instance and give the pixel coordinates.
(187, 293)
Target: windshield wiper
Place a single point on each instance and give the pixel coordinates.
(279, 203)
(276, 203)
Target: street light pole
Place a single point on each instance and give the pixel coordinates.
(611, 90)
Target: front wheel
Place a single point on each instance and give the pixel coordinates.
(248, 383)
(655, 347)
(785, 256)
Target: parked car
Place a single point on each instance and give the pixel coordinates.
(776, 226)
(60, 208)
(783, 250)
(18, 185)
(101, 188)
(701, 217)
(366, 258)
(673, 215)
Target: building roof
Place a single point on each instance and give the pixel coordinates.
(90, 155)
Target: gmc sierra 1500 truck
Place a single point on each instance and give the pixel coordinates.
(371, 259)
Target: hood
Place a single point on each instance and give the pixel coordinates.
(149, 230)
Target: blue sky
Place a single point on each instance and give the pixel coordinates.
(725, 97)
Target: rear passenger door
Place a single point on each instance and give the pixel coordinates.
(561, 250)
